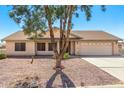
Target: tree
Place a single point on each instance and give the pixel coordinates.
(32, 24)
(34, 18)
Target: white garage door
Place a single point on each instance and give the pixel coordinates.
(96, 48)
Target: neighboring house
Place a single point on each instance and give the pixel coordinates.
(121, 45)
(2, 46)
(81, 43)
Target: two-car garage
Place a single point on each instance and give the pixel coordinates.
(94, 48)
(96, 43)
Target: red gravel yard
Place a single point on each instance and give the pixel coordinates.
(77, 73)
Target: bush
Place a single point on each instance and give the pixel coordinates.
(66, 56)
(2, 56)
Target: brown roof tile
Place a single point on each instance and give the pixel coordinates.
(95, 35)
(85, 35)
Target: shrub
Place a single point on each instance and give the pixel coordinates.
(2, 56)
(66, 56)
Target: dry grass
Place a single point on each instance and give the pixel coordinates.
(2, 51)
(79, 72)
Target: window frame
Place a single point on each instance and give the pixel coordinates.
(20, 47)
(40, 46)
(50, 48)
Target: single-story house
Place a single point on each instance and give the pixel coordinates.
(81, 43)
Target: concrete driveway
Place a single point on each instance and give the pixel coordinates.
(112, 65)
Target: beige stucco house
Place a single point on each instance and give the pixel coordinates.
(81, 43)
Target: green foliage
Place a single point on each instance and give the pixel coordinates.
(66, 56)
(30, 18)
(2, 56)
(87, 10)
(33, 17)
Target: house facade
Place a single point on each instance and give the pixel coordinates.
(81, 43)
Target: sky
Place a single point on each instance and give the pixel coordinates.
(112, 21)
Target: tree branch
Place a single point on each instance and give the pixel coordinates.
(49, 18)
(68, 31)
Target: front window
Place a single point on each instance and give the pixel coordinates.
(50, 47)
(41, 46)
(19, 46)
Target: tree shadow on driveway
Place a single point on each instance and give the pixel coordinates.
(66, 81)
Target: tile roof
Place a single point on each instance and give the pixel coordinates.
(95, 35)
(84, 35)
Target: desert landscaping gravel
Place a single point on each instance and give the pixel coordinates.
(79, 72)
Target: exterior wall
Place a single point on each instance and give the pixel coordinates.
(115, 48)
(76, 48)
(30, 48)
(72, 48)
(96, 48)
(10, 48)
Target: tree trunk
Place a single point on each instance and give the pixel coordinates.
(61, 34)
(32, 58)
(66, 41)
(35, 48)
(58, 66)
(58, 61)
(35, 45)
